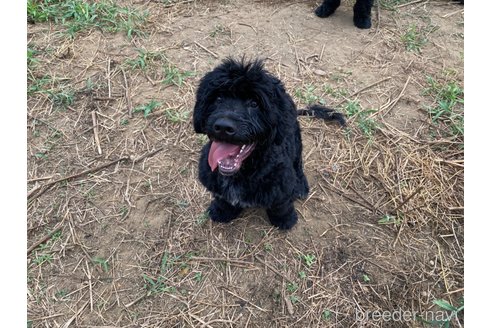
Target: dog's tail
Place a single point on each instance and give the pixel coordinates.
(324, 113)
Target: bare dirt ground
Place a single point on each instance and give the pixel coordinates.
(117, 234)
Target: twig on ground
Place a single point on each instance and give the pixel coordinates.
(74, 176)
(207, 50)
(127, 95)
(362, 90)
(96, 132)
(45, 238)
(247, 301)
(67, 324)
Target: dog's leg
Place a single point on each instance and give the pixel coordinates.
(327, 8)
(221, 211)
(362, 13)
(284, 216)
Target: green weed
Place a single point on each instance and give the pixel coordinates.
(389, 219)
(362, 117)
(31, 58)
(218, 29)
(326, 315)
(43, 258)
(292, 287)
(156, 286)
(294, 299)
(176, 116)
(58, 93)
(168, 262)
(336, 93)
(308, 95)
(202, 139)
(202, 218)
(61, 293)
(308, 260)
(446, 320)
(198, 277)
(147, 108)
(416, 37)
(391, 4)
(102, 263)
(78, 15)
(144, 59)
(445, 108)
(173, 75)
(413, 39)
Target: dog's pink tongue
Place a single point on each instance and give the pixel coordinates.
(219, 151)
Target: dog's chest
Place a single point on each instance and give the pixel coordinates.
(233, 192)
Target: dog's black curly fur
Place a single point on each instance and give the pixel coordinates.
(239, 104)
(362, 11)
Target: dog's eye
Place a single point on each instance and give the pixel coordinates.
(253, 104)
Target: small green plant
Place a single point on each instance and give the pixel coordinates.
(203, 139)
(147, 108)
(78, 15)
(302, 275)
(294, 299)
(57, 92)
(336, 93)
(31, 58)
(309, 260)
(167, 262)
(445, 321)
(61, 293)
(268, 247)
(198, 277)
(413, 39)
(43, 258)
(174, 115)
(218, 29)
(156, 286)
(445, 108)
(292, 287)
(390, 4)
(326, 315)
(308, 95)
(41, 155)
(202, 218)
(173, 75)
(145, 58)
(389, 219)
(365, 122)
(182, 203)
(102, 263)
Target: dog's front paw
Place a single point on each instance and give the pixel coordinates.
(324, 11)
(362, 22)
(221, 211)
(284, 218)
(327, 8)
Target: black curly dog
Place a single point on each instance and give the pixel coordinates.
(253, 158)
(362, 11)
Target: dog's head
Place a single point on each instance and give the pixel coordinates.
(239, 106)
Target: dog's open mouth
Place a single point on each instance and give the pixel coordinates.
(228, 157)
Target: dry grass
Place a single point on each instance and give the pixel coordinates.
(116, 225)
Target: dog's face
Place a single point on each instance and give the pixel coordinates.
(236, 107)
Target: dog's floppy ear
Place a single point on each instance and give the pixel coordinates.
(199, 109)
(203, 96)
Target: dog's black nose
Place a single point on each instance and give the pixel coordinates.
(225, 126)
